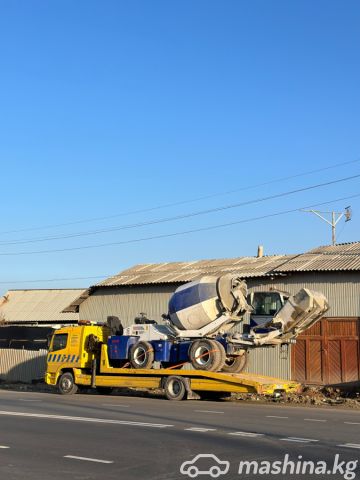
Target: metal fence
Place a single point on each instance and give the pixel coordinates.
(270, 361)
(22, 365)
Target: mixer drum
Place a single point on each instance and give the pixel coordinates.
(195, 304)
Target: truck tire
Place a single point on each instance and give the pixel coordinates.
(66, 384)
(142, 355)
(235, 364)
(175, 388)
(207, 355)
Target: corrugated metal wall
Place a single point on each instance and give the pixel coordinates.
(22, 365)
(127, 303)
(270, 361)
(341, 289)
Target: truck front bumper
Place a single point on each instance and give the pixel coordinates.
(50, 378)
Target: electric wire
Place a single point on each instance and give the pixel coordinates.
(186, 201)
(174, 234)
(179, 217)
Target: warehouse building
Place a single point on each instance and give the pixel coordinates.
(38, 307)
(326, 353)
(27, 320)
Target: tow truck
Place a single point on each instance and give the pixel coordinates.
(196, 332)
(75, 362)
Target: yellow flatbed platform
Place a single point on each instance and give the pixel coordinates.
(76, 366)
(198, 380)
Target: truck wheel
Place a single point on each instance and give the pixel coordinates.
(207, 355)
(66, 384)
(142, 355)
(235, 364)
(175, 388)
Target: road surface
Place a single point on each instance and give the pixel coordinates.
(48, 436)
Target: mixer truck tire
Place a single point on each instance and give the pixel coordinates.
(66, 384)
(142, 355)
(207, 355)
(235, 364)
(175, 388)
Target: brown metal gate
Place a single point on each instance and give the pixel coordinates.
(329, 352)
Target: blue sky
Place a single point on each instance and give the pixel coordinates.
(111, 107)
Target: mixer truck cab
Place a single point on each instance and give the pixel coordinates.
(265, 305)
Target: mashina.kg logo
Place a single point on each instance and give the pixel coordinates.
(214, 466)
(209, 464)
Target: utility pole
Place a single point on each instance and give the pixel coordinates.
(335, 218)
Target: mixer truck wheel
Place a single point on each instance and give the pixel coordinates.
(66, 384)
(235, 364)
(175, 388)
(142, 355)
(207, 355)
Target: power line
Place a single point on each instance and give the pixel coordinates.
(341, 231)
(174, 234)
(339, 254)
(54, 279)
(179, 217)
(183, 202)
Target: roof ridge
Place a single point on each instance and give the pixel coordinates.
(43, 289)
(336, 245)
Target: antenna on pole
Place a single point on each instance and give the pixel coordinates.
(335, 217)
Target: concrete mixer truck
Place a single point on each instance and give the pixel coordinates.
(199, 326)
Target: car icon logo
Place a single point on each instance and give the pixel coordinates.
(218, 467)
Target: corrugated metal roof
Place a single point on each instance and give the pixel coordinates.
(341, 257)
(38, 305)
(352, 248)
(179, 272)
(322, 262)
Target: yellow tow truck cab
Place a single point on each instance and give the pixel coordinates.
(78, 357)
(69, 351)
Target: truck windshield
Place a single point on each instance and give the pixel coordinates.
(266, 303)
(59, 342)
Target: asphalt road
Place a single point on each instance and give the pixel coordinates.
(48, 436)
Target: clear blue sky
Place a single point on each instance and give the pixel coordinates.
(110, 107)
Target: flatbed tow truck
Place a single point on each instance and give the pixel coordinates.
(197, 331)
(75, 362)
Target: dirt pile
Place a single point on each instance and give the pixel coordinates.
(309, 395)
(325, 396)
